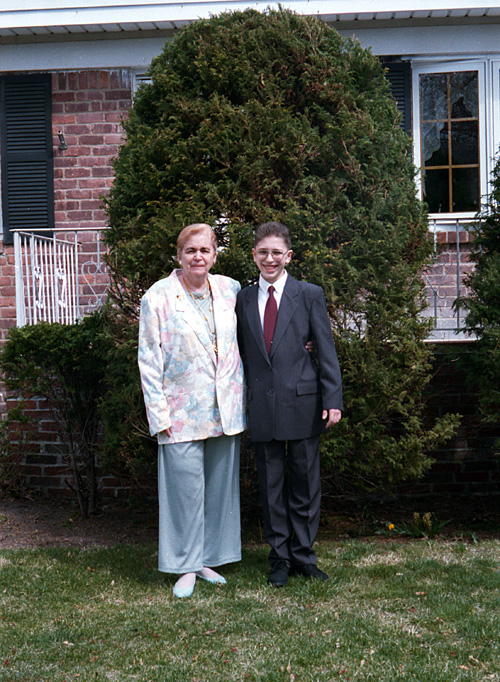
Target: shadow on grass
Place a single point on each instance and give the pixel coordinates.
(140, 565)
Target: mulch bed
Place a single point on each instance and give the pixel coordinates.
(40, 521)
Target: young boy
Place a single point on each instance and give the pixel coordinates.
(292, 398)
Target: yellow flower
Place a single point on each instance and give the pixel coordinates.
(390, 526)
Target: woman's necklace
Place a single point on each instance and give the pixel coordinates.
(210, 323)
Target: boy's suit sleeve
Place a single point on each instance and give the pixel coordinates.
(330, 376)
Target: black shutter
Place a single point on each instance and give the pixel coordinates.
(27, 153)
(399, 76)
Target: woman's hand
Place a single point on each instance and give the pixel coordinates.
(167, 432)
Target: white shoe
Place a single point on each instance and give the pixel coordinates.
(211, 576)
(184, 590)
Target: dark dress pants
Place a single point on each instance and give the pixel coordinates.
(290, 491)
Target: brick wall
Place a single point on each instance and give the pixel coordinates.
(7, 292)
(469, 463)
(42, 458)
(87, 108)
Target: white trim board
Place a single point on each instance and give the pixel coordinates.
(98, 54)
(98, 13)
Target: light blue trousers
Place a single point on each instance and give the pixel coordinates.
(199, 500)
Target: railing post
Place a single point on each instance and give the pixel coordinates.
(53, 272)
(77, 278)
(18, 265)
(434, 290)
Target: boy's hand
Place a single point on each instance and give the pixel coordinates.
(333, 416)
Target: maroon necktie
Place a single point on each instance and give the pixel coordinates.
(270, 315)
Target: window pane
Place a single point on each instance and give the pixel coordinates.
(433, 97)
(464, 94)
(464, 142)
(436, 191)
(435, 144)
(465, 183)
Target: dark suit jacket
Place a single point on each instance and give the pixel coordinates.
(288, 390)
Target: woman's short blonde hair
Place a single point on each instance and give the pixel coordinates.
(190, 231)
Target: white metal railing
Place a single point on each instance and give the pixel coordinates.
(444, 279)
(57, 279)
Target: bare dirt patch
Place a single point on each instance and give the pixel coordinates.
(43, 522)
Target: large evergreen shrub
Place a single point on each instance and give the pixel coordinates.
(272, 116)
(483, 306)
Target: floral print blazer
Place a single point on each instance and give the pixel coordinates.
(185, 385)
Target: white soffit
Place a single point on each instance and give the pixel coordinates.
(25, 17)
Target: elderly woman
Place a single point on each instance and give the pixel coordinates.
(193, 385)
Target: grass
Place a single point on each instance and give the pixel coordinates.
(415, 610)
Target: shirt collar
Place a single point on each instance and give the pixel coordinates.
(279, 285)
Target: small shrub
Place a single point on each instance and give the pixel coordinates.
(66, 365)
(13, 445)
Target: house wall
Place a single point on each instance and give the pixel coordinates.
(39, 460)
(87, 107)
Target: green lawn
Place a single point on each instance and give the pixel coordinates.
(418, 610)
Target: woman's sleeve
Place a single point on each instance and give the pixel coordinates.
(151, 368)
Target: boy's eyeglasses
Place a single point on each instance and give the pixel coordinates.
(277, 255)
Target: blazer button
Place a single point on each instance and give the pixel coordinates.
(271, 391)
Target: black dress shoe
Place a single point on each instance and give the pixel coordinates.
(310, 571)
(279, 573)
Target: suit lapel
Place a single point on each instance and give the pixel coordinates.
(253, 317)
(287, 309)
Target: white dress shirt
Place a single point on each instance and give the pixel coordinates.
(264, 285)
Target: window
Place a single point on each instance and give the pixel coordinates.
(449, 138)
(453, 138)
(26, 153)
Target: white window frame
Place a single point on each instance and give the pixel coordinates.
(495, 112)
(486, 132)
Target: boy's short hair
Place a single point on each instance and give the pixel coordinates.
(273, 229)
